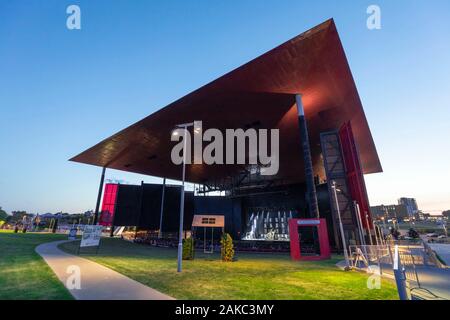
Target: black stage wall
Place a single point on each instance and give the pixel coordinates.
(218, 205)
(140, 206)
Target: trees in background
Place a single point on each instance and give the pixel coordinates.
(17, 216)
(3, 215)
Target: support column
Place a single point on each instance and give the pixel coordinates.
(141, 202)
(99, 196)
(162, 208)
(309, 171)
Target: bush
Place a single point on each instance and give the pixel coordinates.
(413, 233)
(394, 233)
(227, 250)
(188, 249)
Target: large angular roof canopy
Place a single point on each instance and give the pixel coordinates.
(258, 94)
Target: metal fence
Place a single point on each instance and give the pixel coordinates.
(411, 256)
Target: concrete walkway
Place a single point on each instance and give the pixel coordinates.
(97, 282)
(443, 250)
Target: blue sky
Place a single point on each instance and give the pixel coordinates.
(61, 91)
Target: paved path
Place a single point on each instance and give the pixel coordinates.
(97, 281)
(443, 250)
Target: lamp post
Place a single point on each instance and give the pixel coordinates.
(180, 233)
(162, 207)
(341, 227)
(368, 227)
(393, 224)
(384, 224)
(359, 221)
(375, 233)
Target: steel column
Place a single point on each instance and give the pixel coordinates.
(180, 233)
(344, 245)
(309, 170)
(359, 222)
(99, 196)
(162, 207)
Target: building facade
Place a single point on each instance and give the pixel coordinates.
(303, 90)
(397, 211)
(411, 206)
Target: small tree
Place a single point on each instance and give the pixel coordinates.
(413, 234)
(395, 233)
(188, 249)
(227, 249)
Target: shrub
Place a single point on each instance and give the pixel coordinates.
(188, 249)
(413, 234)
(227, 250)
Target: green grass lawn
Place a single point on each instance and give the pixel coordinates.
(253, 276)
(23, 273)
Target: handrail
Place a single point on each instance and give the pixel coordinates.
(430, 252)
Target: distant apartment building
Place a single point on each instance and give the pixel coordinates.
(446, 214)
(411, 206)
(423, 216)
(398, 211)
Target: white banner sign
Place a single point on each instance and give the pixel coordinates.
(91, 236)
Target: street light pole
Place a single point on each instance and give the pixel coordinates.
(384, 225)
(180, 233)
(375, 232)
(341, 227)
(368, 228)
(359, 222)
(162, 208)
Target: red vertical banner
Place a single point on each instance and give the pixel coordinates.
(108, 204)
(355, 176)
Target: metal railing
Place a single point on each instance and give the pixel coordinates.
(432, 256)
(399, 260)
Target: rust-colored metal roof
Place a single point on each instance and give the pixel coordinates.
(259, 94)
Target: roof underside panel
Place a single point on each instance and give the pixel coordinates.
(258, 94)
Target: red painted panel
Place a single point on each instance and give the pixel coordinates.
(321, 224)
(108, 204)
(355, 177)
(313, 64)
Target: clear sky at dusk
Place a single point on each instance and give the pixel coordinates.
(62, 91)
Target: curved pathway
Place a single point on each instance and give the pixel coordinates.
(96, 281)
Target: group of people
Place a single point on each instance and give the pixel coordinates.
(27, 223)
